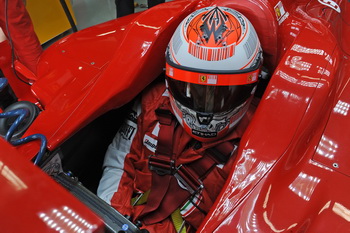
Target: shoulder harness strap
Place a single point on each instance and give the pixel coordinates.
(166, 195)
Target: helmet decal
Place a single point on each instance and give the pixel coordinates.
(213, 26)
(250, 45)
(212, 34)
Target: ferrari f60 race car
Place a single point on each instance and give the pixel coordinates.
(293, 166)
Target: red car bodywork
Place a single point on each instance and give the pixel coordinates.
(292, 170)
(32, 202)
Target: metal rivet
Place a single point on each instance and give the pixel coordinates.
(335, 165)
(92, 63)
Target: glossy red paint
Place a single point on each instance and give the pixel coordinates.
(80, 80)
(33, 202)
(292, 170)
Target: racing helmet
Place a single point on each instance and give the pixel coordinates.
(213, 61)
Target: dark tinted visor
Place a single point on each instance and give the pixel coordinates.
(209, 98)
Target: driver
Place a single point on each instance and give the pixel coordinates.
(169, 161)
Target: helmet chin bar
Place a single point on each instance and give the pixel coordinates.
(208, 126)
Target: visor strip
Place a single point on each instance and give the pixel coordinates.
(212, 79)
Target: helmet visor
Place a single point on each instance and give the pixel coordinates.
(209, 98)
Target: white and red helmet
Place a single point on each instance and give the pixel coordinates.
(213, 62)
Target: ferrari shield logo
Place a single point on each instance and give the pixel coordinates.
(250, 78)
(280, 12)
(209, 79)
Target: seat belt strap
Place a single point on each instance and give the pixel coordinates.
(162, 162)
(178, 221)
(166, 132)
(190, 177)
(169, 203)
(222, 152)
(141, 199)
(212, 157)
(176, 217)
(166, 195)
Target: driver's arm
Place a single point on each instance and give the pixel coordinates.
(116, 184)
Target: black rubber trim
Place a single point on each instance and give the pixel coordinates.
(114, 220)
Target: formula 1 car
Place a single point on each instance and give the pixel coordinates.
(293, 166)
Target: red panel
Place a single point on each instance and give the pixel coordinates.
(127, 55)
(345, 27)
(33, 202)
(275, 185)
(276, 151)
(333, 149)
(298, 200)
